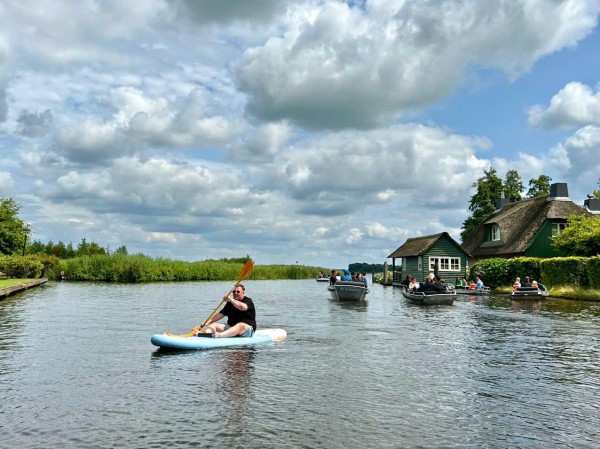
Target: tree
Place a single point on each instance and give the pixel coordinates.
(597, 192)
(513, 186)
(121, 250)
(539, 186)
(483, 201)
(580, 238)
(12, 229)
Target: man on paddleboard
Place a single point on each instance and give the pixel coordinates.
(241, 317)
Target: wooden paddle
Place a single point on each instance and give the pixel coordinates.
(246, 270)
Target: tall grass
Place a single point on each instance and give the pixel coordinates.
(140, 268)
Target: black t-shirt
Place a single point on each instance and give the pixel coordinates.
(235, 316)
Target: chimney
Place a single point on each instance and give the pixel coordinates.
(592, 204)
(559, 190)
(500, 203)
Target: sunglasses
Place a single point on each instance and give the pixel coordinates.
(237, 291)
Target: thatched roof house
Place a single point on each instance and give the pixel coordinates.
(419, 256)
(524, 228)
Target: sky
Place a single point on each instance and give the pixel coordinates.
(312, 132)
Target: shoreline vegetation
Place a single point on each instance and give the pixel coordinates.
(141, 268)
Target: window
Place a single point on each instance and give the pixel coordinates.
(420, 263)
(445, 263)
(495, 233)
(557, 228)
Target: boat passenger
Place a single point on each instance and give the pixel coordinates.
(526, 282)
(346, 276)
(479, 284)
(458, 282)
(241, 317)
(363, 278)
(333, 277)
(534, 284)
(406, 281)
(517, 284)
(472, 285)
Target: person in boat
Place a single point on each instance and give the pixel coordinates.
(478, 284)
(406, 281)
(333, 277)
(346, 276)
(430, 285)
(363, 278)
(241, 317)
(413, 283)
(458, 282)
(534, 284)
(517, 284)
(526, 282)
(472, 285)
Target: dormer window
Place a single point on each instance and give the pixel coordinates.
(495, 235)
(557, 228)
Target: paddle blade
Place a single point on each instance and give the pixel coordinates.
(246, 270)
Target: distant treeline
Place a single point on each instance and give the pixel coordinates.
(365, 267)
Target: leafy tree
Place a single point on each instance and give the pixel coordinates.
(88, 249)
(581, 236)
(539, 186)
(121, 250)
(597, 192)
(12, 228)
(483, 201)
(513, 186)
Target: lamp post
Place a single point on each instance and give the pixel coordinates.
(26, 231)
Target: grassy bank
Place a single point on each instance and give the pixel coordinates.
(10, 282)
(140, 268)
(567, 292)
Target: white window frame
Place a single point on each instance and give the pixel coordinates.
(495, 234)
(557, 228)
(445, 263)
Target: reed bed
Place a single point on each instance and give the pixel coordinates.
(140, 268)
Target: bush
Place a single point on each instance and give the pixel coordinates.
(593, 267)
(571, 271)
(24, 267)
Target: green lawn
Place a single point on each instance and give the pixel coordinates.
(9, 282)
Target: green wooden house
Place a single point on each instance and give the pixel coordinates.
(524, 228)
(418, 256)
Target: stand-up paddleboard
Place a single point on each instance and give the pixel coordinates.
(178, 342)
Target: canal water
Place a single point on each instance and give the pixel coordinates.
(77, 370)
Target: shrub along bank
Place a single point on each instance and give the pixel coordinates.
(140, 268)
(572, 272)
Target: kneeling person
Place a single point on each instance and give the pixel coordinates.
(241, 317)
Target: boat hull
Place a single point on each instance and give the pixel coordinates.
(348, 291)
(468, 291)
(186, 343)
(434, 299)
(530, 292)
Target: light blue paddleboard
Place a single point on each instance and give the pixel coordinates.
(175, 342)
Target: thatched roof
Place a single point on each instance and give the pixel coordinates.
(417, 246)
(519, 223)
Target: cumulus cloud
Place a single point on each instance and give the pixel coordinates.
(138, 121)
(338, 66)
(6, 184)
(575, 105)
(262, 144)
(35, 124)
(342, 172)
(227, 12)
